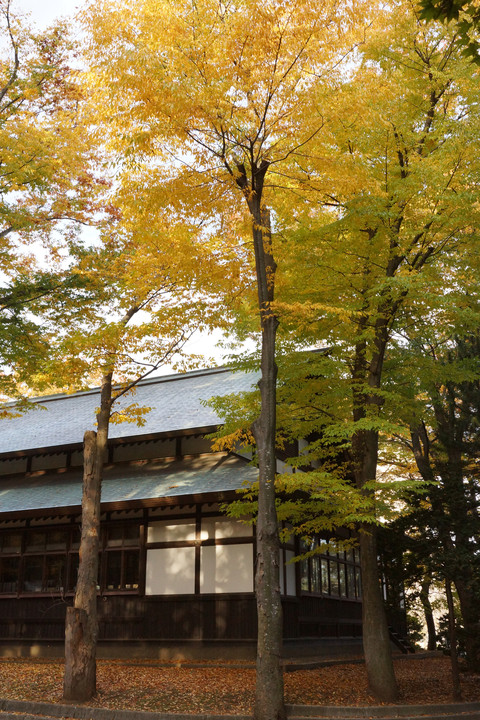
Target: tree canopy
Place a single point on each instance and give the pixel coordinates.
(466, 17)
(307, 171)
(50, 177)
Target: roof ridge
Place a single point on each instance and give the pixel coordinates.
(157, 379)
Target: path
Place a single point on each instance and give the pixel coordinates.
(23, 710)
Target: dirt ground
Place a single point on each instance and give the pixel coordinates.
(229, 688)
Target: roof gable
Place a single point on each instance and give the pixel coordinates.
(177, 403)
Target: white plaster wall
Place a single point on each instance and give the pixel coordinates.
(170, 571)
(226, 569)
(281, 560)
(215, 528)
(168, 531)
(282, 467)
(290, 567)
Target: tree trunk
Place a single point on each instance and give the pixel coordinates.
(452, 632)
(452, 514)
(428, 612)
(269, 702)
(80, 679)
(81, 621)
(81, 631)
(469, 607)
(457, 525)
(376, 638)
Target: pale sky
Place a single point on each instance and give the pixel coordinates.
(43, 12)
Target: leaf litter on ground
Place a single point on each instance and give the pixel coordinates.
(204, 687)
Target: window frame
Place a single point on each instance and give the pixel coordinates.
(344, 565)
(43, 552)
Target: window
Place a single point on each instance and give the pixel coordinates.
(305, 577)
(336, 574)
(351, 581)
(121, 535)
(73, 560)
(46, 540)
(45, 560)
(11, 543)
(54, 572)
(9, 567)
(325, 576)
(358, 582)
(121, 557)
(334, 580)
(10, 550)
(316, 578)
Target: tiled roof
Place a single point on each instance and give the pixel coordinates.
(216, 472)
(177, 403)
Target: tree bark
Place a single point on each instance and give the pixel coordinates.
(452, 631)
(376, 637)
(81, 622)
(469, 607)
(269, 702)
(452, 515)
(428, 613)
(81, 630)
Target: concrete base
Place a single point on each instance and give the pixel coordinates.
(127, 650)
(323, 648)
(190, 649)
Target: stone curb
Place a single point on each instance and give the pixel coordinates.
(27, 710)
(454, 710)
(83, 712)
(456, 716)
(294, 664)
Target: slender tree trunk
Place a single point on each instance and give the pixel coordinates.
(456, 520)
(81, 620)
(376, 637)
(469, 607)
(428, 612)
(81, 630)
(452, 631)
(269, 702)
(452, 513)
(269, 687)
